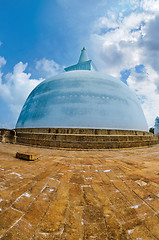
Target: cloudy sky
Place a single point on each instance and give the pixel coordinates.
(38, 38)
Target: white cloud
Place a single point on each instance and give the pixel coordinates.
(15, 86)
(5, 125)
(150, 5)
(119, 49)
(133, 41)
(150, 45)
(144, 84)
(106, 23)
(48, 68)
(2, 61)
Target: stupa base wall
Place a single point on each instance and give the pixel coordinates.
(7, 136)
(77, 138)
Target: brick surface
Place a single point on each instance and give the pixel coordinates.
(68, 194)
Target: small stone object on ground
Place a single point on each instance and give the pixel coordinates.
(27, 156)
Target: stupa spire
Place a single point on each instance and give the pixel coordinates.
(83, 64)
(83, 56)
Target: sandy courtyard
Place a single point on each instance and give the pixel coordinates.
(108, 194)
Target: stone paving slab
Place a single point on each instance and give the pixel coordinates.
(64, 194)
(27, 156)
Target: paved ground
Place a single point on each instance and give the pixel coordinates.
(110, 194)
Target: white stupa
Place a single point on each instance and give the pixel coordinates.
(82, 97)
(156, 128)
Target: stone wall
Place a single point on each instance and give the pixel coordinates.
(7, 136)
(77, 138)
(85, 131)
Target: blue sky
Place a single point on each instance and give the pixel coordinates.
(39, 38)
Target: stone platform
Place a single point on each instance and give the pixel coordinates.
(73, 195)
(84, 138)
(77, 138)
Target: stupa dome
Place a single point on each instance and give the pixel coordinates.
(82, 97)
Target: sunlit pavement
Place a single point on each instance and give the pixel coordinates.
(108, 194)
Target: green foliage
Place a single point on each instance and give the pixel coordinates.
(151, 130)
